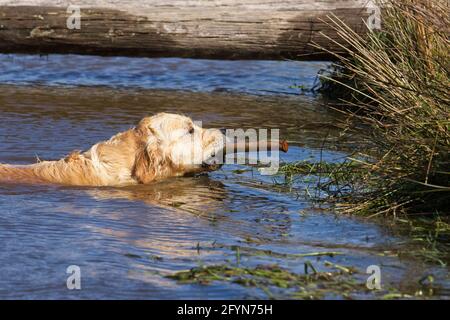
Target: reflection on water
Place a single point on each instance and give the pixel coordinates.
(126, 239)
(195, 195)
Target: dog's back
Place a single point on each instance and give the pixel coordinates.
(17, 174)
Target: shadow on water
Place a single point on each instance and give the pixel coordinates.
(127, 240)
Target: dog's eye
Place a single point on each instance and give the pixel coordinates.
(191, 130)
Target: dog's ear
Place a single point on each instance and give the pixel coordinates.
(149, 157)
(148, 163)
(146, 129)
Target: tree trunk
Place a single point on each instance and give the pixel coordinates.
(222, 29)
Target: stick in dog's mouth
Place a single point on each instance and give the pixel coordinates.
(247, 146)
(258, 146)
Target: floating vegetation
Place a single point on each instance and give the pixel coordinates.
(432, 237)
(277, 282)
(312, 285)
(306, 167)
(261, 252)
(335, 178)
(251, 251)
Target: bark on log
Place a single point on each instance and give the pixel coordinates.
(223, 29)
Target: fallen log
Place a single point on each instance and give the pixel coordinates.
(222, 29)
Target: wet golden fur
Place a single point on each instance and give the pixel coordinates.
(157, 148)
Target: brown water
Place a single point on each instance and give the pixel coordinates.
(126, 240)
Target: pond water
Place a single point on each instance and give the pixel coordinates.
(127, 240)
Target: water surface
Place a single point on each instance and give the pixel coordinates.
(126, 240)
(256, 77)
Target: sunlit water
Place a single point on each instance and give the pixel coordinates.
(126, 240)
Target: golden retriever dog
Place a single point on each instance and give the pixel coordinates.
(164, 145)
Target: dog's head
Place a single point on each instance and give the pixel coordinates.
(173, 145)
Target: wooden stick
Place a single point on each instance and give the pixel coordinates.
(248, 146)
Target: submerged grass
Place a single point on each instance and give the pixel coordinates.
(251, 251)
(432, 237)
(395, 83)
(340, 181)
(269, 278)
(333, 281)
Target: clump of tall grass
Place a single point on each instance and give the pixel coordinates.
(398, 80)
